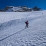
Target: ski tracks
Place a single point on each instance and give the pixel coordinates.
(20, 30)
(11, 35)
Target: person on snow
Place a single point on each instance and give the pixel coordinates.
(26, 24)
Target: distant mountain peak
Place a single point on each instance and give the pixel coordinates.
(19, 9)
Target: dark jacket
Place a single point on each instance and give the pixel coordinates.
(26, 22)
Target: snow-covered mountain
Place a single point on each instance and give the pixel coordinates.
(13, 32)
(17, 9)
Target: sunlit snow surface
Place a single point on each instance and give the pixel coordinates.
(13, 32)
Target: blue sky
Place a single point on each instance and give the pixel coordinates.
(28, 3)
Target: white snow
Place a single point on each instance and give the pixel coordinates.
(13, 9)
(13, 32)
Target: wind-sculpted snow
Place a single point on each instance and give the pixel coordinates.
(12, 22)
(8, 16)
(7, 24)
(17, 35)
(15, 22)
(12, 18)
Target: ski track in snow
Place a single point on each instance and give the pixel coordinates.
(22, 38)
(21, 29)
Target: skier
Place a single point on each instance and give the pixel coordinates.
(26, 24)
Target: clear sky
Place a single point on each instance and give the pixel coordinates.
(28, 3)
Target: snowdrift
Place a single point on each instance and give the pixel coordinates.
(13, 32)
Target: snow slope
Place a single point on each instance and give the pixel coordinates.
(13, 32)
